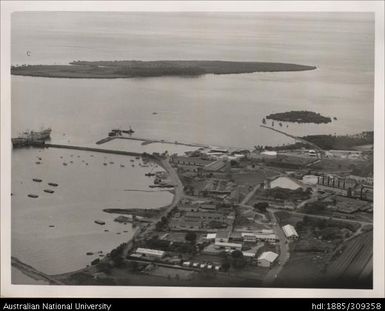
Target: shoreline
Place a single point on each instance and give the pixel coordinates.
(140, 230)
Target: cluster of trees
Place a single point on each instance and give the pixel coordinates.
(177, 246)
(328, 142)
(235, 260)
(165, 70)
(160, 225)
(302, 116)
(327, 229)
(261, 206)
(288, 194)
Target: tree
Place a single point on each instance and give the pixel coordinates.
(226, 266)
(191, 237)
(238, 260)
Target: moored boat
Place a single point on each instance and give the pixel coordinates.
(48, 191)
(100, 222)
(53, 184)
(37, 179)
(33, 196)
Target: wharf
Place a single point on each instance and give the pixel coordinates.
(91, 149)
(147, 141)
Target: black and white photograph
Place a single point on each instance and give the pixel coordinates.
(192, 148)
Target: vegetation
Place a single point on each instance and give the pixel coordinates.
(331, 142)
(191, 237)
(287, 194)
(328, 142)
(299, 117)
(129, 69)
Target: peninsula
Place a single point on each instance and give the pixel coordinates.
(133, 68)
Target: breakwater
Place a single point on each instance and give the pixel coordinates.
(147, 141)
(91, 149)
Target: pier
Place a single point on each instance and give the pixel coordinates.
(299, 139)
(147, 141)
(91, 149)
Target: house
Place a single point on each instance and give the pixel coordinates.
(211, 236)
(284, 182)
(228, 246)
(290, 232)
(149, 253)
(222, 236)
(268, 154)
(267, 259)
(254, 237)
(310, 180)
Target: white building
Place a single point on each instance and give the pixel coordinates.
(254, 237)
(267, 259)
(222, 237)
(290, 232)
(269, 154)
(310, 180)
(285, 182)
(150, 253)
(228, 246)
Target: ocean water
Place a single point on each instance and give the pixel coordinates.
(222, 110)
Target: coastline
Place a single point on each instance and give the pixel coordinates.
(140, 231)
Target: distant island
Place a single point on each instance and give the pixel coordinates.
(299, 117)
(133, 68)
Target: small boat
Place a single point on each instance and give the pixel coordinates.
(65, 164)
(100, 222)
(52, 226)
(53, 184)
(89, 253)
(137, 158)
(117, 232)
(121, 165)
(37, 162)
(33, 196)
(48, 191)
(154, 113)
(104, 163)
(106, 230)
(39, 158)
(37, 179)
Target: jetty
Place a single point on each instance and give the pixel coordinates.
(91, 149)
(147, 141)
(299, 139)
(33, 273)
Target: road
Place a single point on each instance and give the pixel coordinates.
(178, 194)
(295, 137)
(32, 272)
(248, 198)
(284, 251)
